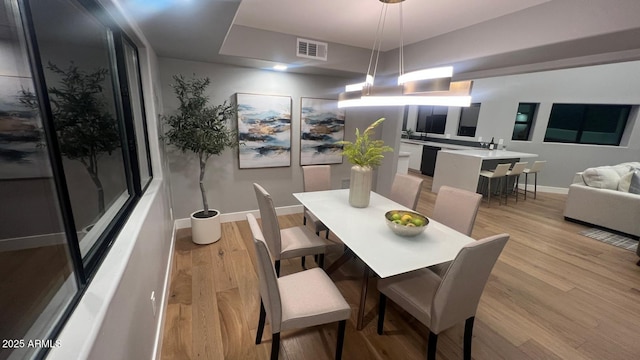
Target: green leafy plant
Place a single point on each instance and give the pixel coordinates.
(365, 151)
(85, 129)
(409, 133)
(199, 128)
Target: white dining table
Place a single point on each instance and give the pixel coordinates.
(365, 233)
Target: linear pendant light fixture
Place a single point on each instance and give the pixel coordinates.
(422, 87)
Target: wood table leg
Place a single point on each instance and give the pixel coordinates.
(363, 297)
(346, 256)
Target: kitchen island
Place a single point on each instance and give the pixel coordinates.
(461, 168)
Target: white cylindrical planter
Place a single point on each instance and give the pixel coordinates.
(360, 186)
(205, 230)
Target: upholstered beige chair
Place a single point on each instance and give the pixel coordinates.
(515, 171)
(405, 190)
(299, 300)
(316, 178)
(499, 173)
(457, 209)
(534, 169)
(290, 242)
(442, 302)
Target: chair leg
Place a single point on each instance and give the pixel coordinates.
(303, 262)
(263, 315)
(431, 347)
(526, 182)
(304, 220)
(382, 306)
(489, 192)
(341, 325)
(468, 332)
(275, 346)
(277, 266)
(321, 261)
(327, 235)
(535, 185)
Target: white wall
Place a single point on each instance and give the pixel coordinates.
(602, 84)
(229, 188)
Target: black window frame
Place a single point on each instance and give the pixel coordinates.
(429, 120)
(582, 122)
(84, 268)
(466, 132)
(528, 123)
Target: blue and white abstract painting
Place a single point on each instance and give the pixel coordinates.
(321, 127)
(264, 126)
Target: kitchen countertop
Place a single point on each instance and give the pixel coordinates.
(491, 154)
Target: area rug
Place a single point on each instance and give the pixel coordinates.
(611, 238)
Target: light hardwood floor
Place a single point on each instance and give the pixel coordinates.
(553, 294)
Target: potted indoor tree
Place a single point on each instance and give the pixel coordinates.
(86, 129)
(199, 128)
(365, 154)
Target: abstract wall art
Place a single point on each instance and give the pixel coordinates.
(321, 127)
(264, 130)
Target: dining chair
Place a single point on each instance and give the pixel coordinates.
(499, 173)
(515, 171)
(405, 190)
(303, 299)
(457, 209)
(534, 169)
(315, 178)
(290, 242)
(442, 302)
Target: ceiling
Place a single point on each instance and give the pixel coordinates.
(354, 22)
(198, 29)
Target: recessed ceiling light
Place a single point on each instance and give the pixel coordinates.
(280, 67)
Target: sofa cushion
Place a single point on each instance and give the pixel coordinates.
(603, 177)
(630, 182)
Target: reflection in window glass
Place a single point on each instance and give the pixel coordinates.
(469, 120)
(135, 93)
(37, 281)
(77, 59)
(587, 124)
(524, 121)
(432, 119)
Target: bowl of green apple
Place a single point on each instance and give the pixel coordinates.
(406, 223)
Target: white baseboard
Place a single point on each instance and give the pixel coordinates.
(242, 215)
(546, 189)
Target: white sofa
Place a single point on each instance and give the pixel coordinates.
(600, 196)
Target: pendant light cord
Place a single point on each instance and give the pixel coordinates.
(377, 43)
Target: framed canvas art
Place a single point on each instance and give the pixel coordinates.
(321, 127)
(264, 127)
(21, 152)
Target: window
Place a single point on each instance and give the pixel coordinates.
(587, 123)
(469, 120)
(524, 121)
(432, 119)
(74, 158)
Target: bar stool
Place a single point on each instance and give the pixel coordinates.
(515, 171)
(535, 168)
(500, 173)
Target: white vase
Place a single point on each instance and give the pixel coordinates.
(360, 186)
(205, 230)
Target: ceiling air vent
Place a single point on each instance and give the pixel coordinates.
(312, 49)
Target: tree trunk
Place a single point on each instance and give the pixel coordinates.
(203, 191)
(98, 184)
